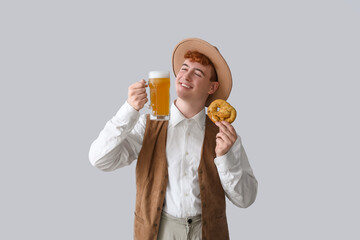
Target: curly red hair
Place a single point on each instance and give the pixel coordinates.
(195, 56)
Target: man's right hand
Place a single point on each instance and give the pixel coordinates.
(137, 96)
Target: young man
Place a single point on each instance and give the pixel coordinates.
(187, 165)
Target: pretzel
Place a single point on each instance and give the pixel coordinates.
(220, 110)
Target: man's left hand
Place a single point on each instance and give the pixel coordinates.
(225, 138)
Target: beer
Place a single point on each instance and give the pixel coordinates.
(159, 83)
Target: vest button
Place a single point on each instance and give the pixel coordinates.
(204, 205)
(202, 187)
(200, 171)
(155, 225)
(158, 208)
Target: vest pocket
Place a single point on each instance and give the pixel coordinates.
(139, 229)
(139, 219)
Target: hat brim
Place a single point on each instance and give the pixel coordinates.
(222, 69)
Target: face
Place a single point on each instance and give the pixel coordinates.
(193, 81)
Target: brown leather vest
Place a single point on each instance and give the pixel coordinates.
(152, 179)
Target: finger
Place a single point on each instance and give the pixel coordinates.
(144, 82)
(138, 91)
(219, 141)
(137, 85)
(222, 127)
(223, 137)
(140, 84)
(229, 130)
(228, 126)
(140, 96)
(143, 101)
(139, 104)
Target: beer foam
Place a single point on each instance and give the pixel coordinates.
(159, 74)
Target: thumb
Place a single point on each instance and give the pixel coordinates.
(143, 82)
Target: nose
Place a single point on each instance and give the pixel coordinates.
(187, 76)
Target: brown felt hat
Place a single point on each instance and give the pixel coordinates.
(222, 69)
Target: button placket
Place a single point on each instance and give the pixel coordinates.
(186, 163)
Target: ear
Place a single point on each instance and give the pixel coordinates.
(213, 87)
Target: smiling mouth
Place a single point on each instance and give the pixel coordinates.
(185, 85)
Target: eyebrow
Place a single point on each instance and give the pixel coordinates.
(198, 69)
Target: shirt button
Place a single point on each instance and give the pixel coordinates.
(186, 153)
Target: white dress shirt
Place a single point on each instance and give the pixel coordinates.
(120, 142)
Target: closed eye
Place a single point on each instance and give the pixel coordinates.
(198, 73)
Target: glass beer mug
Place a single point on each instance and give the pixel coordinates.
(159, 84)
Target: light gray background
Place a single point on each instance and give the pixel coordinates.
(65, 67)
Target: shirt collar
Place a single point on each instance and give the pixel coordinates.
(176, 117)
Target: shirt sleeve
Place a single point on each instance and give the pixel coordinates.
(119, 143)
(236, 176)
